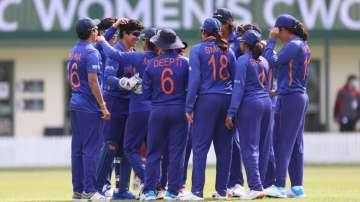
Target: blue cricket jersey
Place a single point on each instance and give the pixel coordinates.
(139, 61)
(251, 81)
(114, 70)
(234, 44)
(84, 59)
(292, 63)
(211, 71)
(165, 80)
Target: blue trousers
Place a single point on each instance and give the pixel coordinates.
(187, 157)
(288, 138)
(135, 135)
(236, 176)
(253, 123)
(85, 147)
(209, 127)
(268, 178)
(166, 130)
(113, 132)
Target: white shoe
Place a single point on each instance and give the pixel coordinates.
(217, 196)
(107, 191)
(94, 197)
(237, 191)
(182, 193)
(190, 197)
(251, 195)
(277, 192)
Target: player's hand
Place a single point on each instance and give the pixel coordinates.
(274, 33)
(138, 89)
(105, 113)
(128, 83)
(121, 21)
(100, 39)
(189, 117)
(273, 93)
(229, 122)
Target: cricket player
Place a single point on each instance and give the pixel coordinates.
(119, 81)
(211, 72)
(87, 108)
(251, 105)
(292, 62)
(236, 179)
(165, 82)
(137, 123)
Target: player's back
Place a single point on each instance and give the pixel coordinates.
(215, 67)
(83, 59)
(165, 80)
(257, 76)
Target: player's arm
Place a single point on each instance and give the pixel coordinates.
(92, 70)
(194, 78)
(122, 83)
(112, 30)
(147, 83)
(284, 56)
(125, 58)
(238, 91)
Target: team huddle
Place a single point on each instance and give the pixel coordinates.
(147, 110)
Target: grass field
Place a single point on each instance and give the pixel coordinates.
(323, 183)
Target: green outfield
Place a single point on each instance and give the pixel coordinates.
(323, 183)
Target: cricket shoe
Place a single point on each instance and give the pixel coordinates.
(276, 192)
(94, 196)
(252, 195)
(148, 196)
(296, 192)
(237, 190)
(107, 191)
(217, 196)
(123, 196)
(190, 197)
(170, 196)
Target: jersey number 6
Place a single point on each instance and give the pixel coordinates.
(75, 83)
(166, 79)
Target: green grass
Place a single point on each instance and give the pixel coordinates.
(323, 183)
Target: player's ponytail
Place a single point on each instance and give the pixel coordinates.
(300, 31)
(221, 43)
(256, 50)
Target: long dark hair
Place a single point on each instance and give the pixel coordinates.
(256, 50)
(300, 31)
(220, 42)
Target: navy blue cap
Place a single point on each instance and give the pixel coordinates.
(223, 14)
(250, 37)
(84, 26)
(166, 39)
(211, 25)
(286, 21)
(148, 33)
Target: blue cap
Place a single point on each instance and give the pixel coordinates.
(250, 37)
(286, 21)
(148, 33)
(211, 25)
(223, 15)
(166, 39)
(84, 26)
